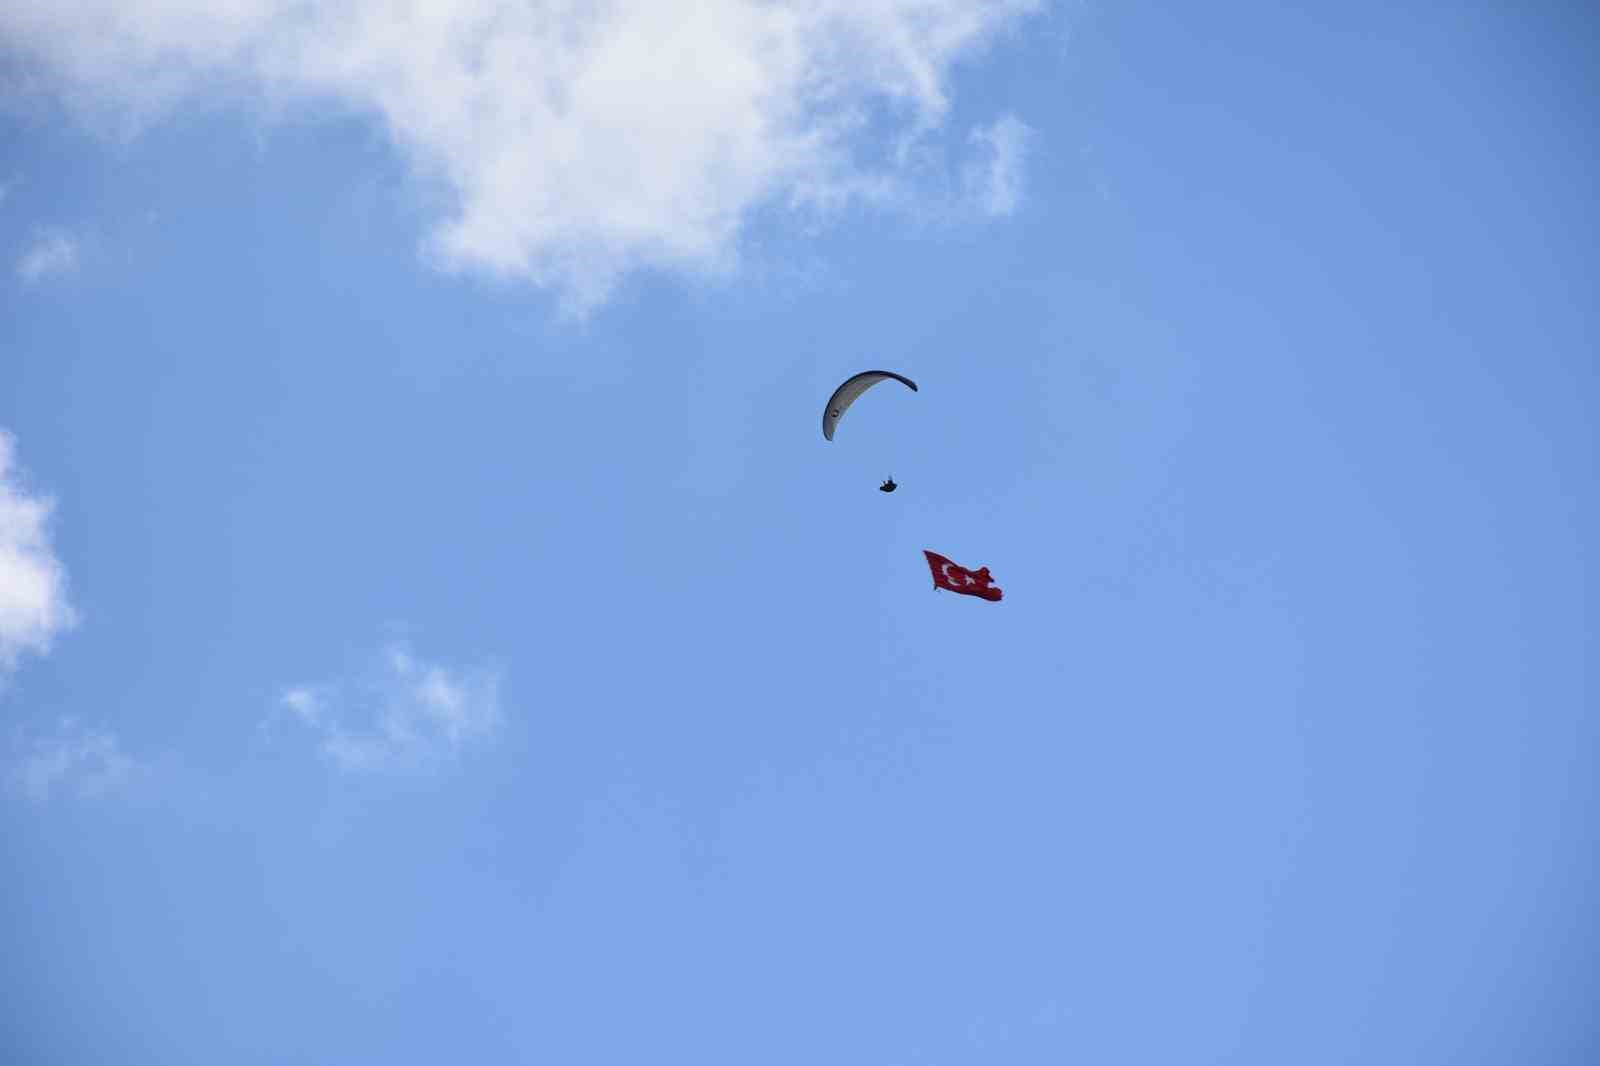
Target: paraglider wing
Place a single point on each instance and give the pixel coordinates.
(846, 394)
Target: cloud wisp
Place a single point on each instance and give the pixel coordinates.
(53, 253)
(994, 176)
(574, 140)
(410, 713)
(75, 759)
(33, 583)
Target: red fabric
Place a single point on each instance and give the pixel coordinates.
(947, 575)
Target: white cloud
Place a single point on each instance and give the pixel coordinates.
(576, 140)
(306, 704)
(410, 712)
(75, 758)
(994, 177)
(33, 583)
(52, 253)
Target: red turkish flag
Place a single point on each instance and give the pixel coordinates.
(947, 575)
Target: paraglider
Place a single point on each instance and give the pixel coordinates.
(847, 394)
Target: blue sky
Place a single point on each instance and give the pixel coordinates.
(432, 627)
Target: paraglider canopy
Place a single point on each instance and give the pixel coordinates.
(846, 394)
